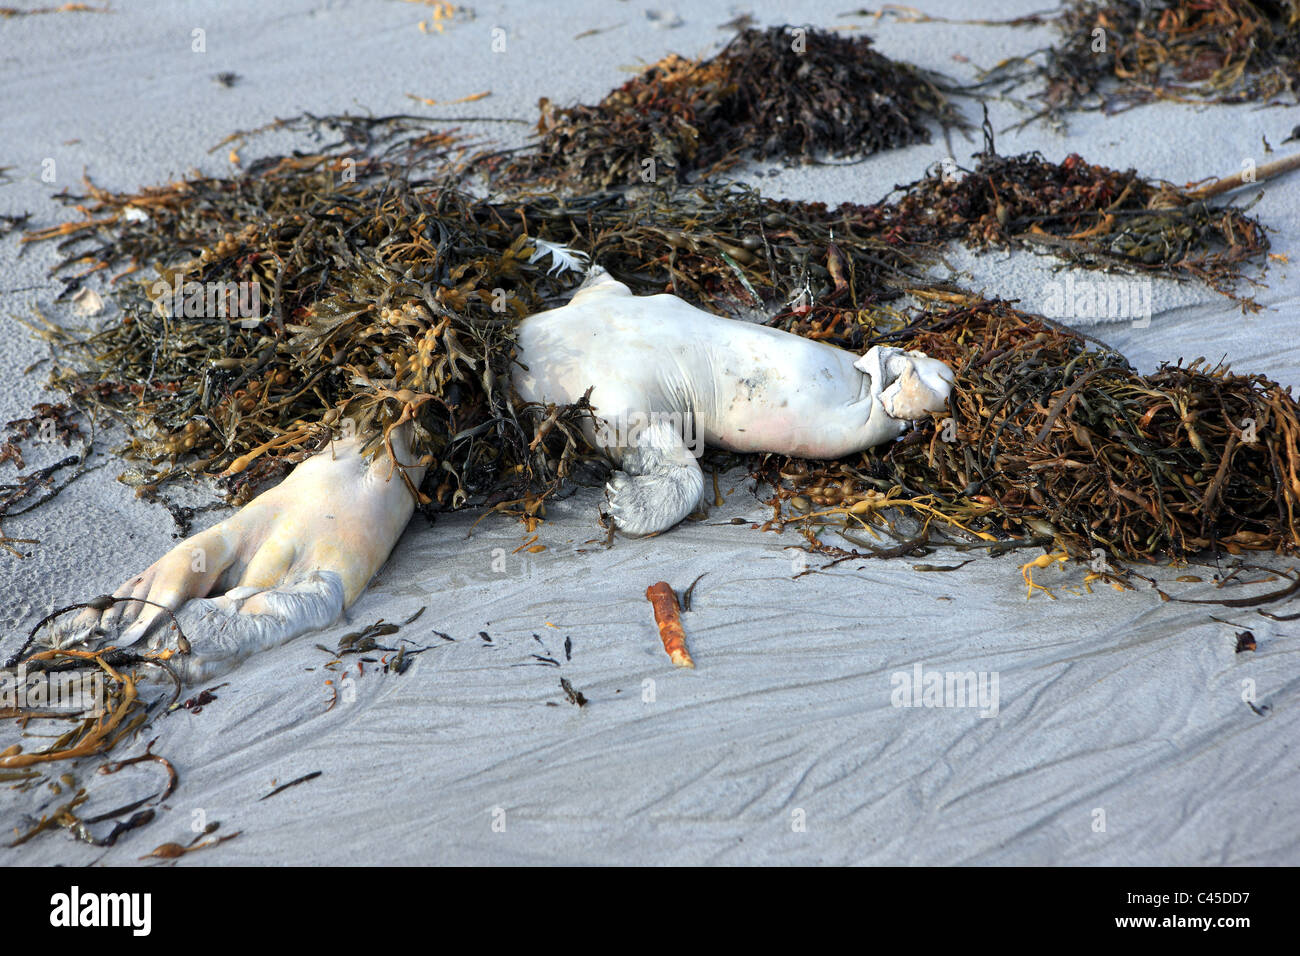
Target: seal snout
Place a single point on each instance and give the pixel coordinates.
(921, 387)
(908, 384)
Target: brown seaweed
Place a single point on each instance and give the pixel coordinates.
(794, 93)
(1084, 214)
(1046, 435)
(1116, 54)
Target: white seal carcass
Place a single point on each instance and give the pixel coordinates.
(667, 378)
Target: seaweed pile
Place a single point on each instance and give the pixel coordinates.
(793, 93)
(1048, 439)
(376, 302)
(1116, 54)
(392, 294)
(1088, 215)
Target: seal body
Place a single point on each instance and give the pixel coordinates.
(666, 378)
(747, 387)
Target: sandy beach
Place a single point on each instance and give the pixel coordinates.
(1119, 734)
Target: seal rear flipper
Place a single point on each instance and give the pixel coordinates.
(226, 630)
(285, 564)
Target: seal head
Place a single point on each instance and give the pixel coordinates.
(907, 384)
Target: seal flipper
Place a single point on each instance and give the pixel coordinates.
(289, 562)
(225, 630)
(228, 629)
(660, 482)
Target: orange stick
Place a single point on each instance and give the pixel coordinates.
(669, 618)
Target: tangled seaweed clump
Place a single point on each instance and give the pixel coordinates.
(1050, 439)
(787, 92)
(1086, 214)
(1116, 54)
(107, 711)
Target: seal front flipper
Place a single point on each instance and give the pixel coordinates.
(659, 484)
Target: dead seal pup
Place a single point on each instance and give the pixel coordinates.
(300, 553)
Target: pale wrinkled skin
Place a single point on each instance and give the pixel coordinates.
(665, 379)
